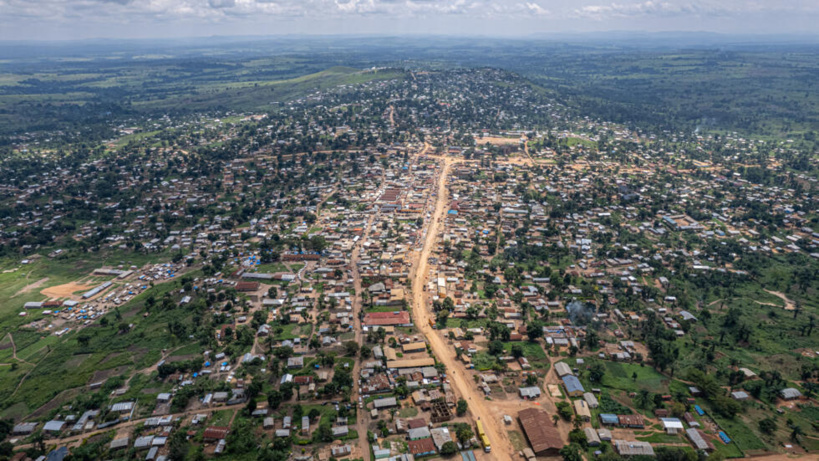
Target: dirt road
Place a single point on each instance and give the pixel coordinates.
(501, 447)
(361, 421)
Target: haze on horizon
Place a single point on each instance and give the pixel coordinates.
(126, 19)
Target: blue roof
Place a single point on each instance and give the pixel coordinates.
(698, 409)
(468, 455)
(608, 418)
(572, 384)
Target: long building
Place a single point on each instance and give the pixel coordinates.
(541, 432)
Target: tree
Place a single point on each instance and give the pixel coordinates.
(351, 347)
(571, 453)
(496, 348)
(796, 432)
(449, 449)
(274, 399)
(464, 433)
(517, 351)
(178, 446)
(534, 330)
(767, 426)
(461, 407)
(596, 371)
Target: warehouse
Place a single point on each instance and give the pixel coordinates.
(541, 432)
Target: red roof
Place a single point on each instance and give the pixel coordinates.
(420, 446)
(215, 433)
(387, 318)
(415, 423)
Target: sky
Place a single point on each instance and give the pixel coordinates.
(125, 19)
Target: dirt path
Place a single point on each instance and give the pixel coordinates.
(789, 305)
(360, 422)
(501, 447)
(392, 116)
(69, 441)
(31, 287)
(14, 353)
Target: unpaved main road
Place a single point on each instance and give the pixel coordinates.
(501, 447)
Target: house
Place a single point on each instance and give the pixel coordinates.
(54, 426)
(633, 448)
(24, 428)
(573, 386)
(609, 419)
(541, 432)
(591, 400)
(740, 395)
(562, 369)
(420, 447)
(604, 434)
(672, 425)
(632, 421)
(418, 433)
(440, 436)
(532, 392)
(591, 437)
(295, 362)
(341, 451)
(790, 393)
(387, 402)
(690, 420)
(215, 433)
(581, 408)
(698, 440)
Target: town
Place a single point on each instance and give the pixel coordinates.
(420, 264)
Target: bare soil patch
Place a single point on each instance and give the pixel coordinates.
(65, 290)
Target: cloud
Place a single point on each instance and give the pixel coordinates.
(222, 3)
(537, 9)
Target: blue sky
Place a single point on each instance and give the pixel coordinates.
(80, 19)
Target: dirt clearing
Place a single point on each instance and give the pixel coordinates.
(65, 290)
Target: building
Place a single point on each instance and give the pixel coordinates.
(421, 447)
(609, 419)
(672, 425)
(562, 369)
(633, 448)
(632, 421)
(581, 408)
(573, 386)
(541, 432)
(394, 318)
(440, 436)
(698, 440)
(591, 437)
(789, 393)
(591, 400)
(418, 433)
(531, 392)
(387, 402)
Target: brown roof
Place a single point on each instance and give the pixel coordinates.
(215, 433)
(247, 286)
(630, 420)
(417, 422)
(540, 431)
(387, 318)
(419, 446)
